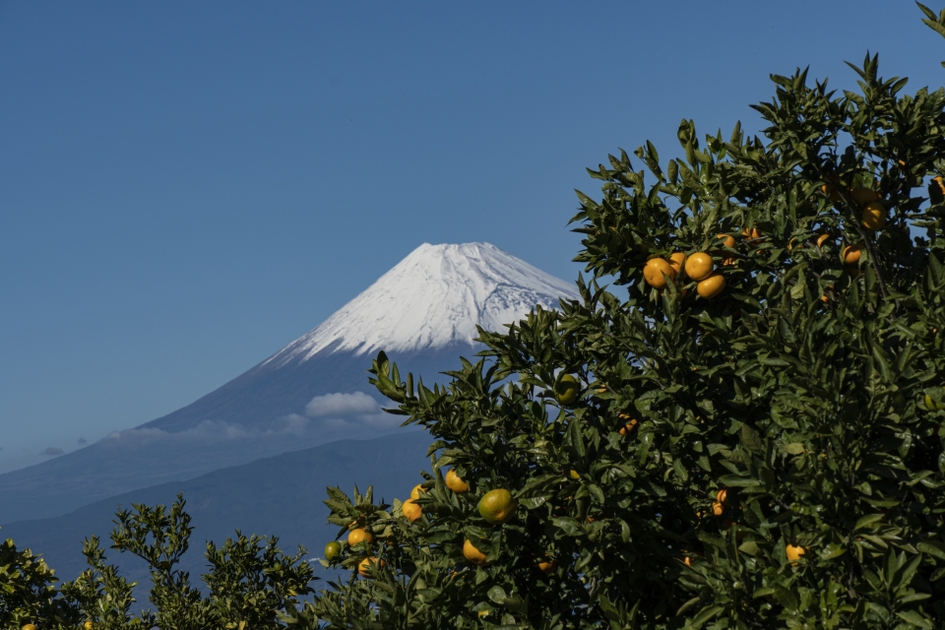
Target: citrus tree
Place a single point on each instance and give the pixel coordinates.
(743, 429)
(250, 582)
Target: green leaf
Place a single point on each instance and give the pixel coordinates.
(568, 525)
(794, 448)
(933, 548)
(786, 597)
(916, 619)
(865, 521)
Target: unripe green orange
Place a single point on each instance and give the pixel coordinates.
(567, 389)
(497, 506)
(332, 550)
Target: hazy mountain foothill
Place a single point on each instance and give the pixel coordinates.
(306, 414)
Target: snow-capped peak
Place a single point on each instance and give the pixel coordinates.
(432, 298)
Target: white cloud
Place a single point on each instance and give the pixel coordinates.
(341, 404)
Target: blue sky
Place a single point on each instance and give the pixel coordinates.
(187, 187)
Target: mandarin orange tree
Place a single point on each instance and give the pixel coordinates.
(744, 429)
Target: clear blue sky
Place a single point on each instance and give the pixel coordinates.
(185, 187)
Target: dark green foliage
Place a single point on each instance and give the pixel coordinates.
(800, 391)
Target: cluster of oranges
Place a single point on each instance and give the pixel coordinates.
(699, 267)
(873, 213)
(496, 507)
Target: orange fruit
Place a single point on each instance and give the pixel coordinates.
(699, 266)
(497, 506)
(574, 474)
(547, 566)
(411, 510)
(364, 567)
(851, 254)
(728, 241)
(830, 189)
(722, 496)
(936, 190)
(753, 233)
(658, 272)
(676, 261)
(794, 553)
(454, 483)
(359, 535)
(821, 239)
(687, 561)
(472, 554)
(87, 625)
(628, 427)
(29, 626)
(711, 286)
(417, 489)
(717, 508)
(863, 195)
(482, 613)
(332, 550)
(874, 215)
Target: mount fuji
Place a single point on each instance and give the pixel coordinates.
(423, 313)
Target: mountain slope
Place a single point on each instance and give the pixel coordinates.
(279, 496)
(424, 311)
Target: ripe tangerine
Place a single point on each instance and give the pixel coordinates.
(658, 273)
(711, 286)
(699, 266)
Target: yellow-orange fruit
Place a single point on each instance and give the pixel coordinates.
(851, 254)
(411, 510)
(821, 239)
(547, 566)
(874, 215)
(417, 489)
(727, 241)
(717, 508)
(628, 427)
(722, 496)
(699, 266)
(936, 190)
(359, 535)
(472, 554)
(752, 233)
(658, 272)
(454, 483)
(832, 191)
(863, 195)
(711, 286)
(794, 553)
(676, 261)
(364, 566)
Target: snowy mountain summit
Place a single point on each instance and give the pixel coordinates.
(433, 298)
